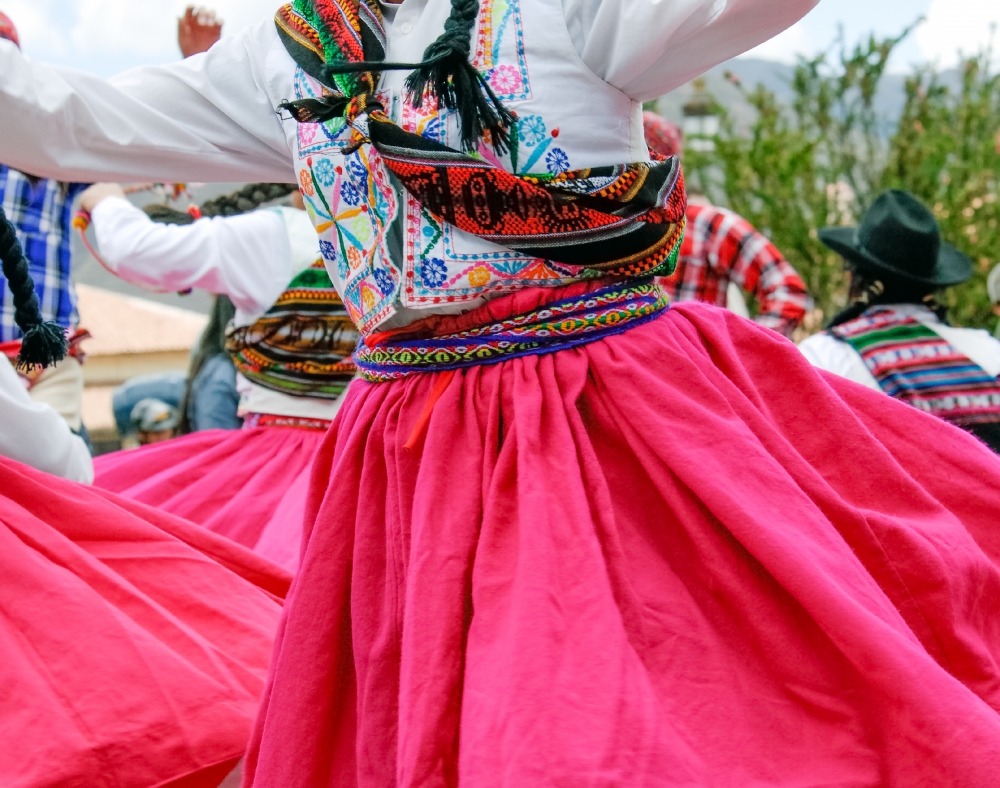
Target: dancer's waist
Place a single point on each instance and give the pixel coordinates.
(530, 322)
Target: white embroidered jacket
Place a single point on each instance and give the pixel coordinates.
(574, 71)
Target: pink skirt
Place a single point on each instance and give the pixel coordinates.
(135, 645)
(248, 485)
(676, 556)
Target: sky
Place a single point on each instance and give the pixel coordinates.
(108, 36)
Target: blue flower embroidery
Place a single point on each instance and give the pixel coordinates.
(531, 129)
(433, 272)
(557, 161)
(325, 172)
(384, 281)
(349, 193)
(328, 250)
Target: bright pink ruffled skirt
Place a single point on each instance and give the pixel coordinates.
(247, 485)
(134, 645)
(677, 556)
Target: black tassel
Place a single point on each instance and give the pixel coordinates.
(43, 345)
(447, 74)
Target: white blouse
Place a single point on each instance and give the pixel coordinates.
(34, 434)
(213, 117)
(251, 258)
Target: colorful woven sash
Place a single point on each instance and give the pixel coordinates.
(912, 363)
(624, 220)
(303, 345)
(558, 325)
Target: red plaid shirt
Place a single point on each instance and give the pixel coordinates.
(721, 247)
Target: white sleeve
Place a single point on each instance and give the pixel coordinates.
(974, 343)
(647, 48)
(825, 352)
(246, 257)
(34, 434)
(211, 117)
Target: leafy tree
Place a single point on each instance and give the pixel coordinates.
(823, 158)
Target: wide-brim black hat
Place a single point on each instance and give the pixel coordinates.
(899, 238)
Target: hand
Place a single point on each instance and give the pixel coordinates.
(197, 30)
(98, 193)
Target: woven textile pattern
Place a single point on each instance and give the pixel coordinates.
(252, 420)
(557, 326)
(303, 345)
(912, 363)
(624, 220)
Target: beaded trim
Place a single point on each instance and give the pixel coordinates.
(557, 326)
(252, 420)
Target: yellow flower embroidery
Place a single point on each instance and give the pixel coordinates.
(479, 276)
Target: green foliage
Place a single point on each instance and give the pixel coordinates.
(823, 158)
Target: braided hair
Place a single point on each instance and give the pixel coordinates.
(44, 342)
(868, 290)
(247, 199)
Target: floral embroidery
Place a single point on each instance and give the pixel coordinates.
(433, 272)
(349, 193)
(505, 79)
(353, 257)
(557, 161)
(531, 130)
(325, 172)
(479, 276)
(384, 281)
(328, 250)
(306, 184)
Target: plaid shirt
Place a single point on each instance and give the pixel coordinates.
(41, 215)
(721, 247)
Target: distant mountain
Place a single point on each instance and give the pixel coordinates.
(777, 77)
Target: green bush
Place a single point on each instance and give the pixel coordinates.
(823, 158)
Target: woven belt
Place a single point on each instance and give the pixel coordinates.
(556, 326)
(252, 420)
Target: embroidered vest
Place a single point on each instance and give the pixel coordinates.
(302, 346)
(912, 363)
(385, 252)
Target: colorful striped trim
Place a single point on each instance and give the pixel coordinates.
(914, 364)
(557, 326)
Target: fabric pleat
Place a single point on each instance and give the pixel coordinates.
(679, 556)
(247, 485)
(135, 645)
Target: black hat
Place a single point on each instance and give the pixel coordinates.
(899, 237)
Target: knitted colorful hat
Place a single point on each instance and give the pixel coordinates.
(662, 136)
(8, 31)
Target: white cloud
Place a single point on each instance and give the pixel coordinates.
(957, 25)
(785, 46)
(149, 27)
(32, 18)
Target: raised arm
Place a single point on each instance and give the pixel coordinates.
(248, 258)
(210, 117)
(649, 47)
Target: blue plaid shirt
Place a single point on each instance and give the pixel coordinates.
(42, 215)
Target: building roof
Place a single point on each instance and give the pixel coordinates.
(125, 325)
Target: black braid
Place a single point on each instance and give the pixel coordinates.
(868, 291)
(458, 85)
(44, 342)
(247, 199)
(445, 72)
